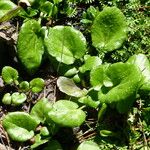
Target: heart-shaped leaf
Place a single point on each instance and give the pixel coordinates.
(5, 6)
(19, 126)
(37, 85)
(18, 98)
(126, 79)
(24, 86)
(90, 63)
(66, 113)
(30, 45)
(109, 29)
(65, 44)
(9, 74)
(40, 110)
(67, 86)
(143, 63)
(88, 145)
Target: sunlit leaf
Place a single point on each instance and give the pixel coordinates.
(6, 99)
(9, 74)
(90, 63)
(88, 145)
(24, 85)
(144, 65)
(37, 85)
(18, 98)
(19, 126)
(40, 110)
(67, 86)
(126, 79)
(66, 113)
(5, 7)
(109, 29)
(65, 44)
(30, 45)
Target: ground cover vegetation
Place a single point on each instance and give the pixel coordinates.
(75, 74)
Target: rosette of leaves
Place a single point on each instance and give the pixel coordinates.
(142, 62)
(88, 145)
(65, 44)
(119, 84)
(109, 29)
(30, 45)
(20, 126)
(66, 113)
(9, 75)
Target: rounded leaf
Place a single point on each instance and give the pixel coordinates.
(40, 110)
(9, 74)
(6, 99)
(18, 98)
(30, 45)
(65, 113)
(19, 126)
(65, 44)
(109, 29)
(24, 85)
(37, 85)
(88, 145)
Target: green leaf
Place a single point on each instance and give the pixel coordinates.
(142, 62)
(66, 113)
(126, 79)
(67, 86)
(38, 141)
(37, 85)
(53, 145)
(109, 29)
(65, 44)
(18, 98)
(9, 74)
(6, 99)
(19, 126)
(87, 100)
(90, 63)
(98, 77)
(30, 45)
(5, 7)
(40, 110)
(24, 86)
(88, 145)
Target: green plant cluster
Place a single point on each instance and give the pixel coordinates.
(79, 53)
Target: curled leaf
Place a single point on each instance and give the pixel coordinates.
(142, 62)
(6, 99)
(67, 86)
